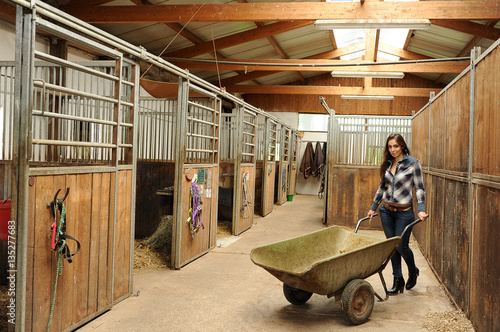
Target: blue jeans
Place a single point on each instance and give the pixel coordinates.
(394, 223)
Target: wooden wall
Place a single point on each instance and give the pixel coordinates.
(460, 239)
(351, 196)
(149, 206)
(311, 104)
(85, 286)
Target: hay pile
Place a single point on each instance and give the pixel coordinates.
(224, 229)
(155, 251)
(448, 321)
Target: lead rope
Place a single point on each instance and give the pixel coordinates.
(59, 251)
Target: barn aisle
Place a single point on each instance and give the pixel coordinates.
(225, 291)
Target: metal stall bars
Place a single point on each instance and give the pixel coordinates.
(269, 175)
(244, 170)
(196, 174)
(361, 139)
(292, 174)
(73, 114)
(284, 164)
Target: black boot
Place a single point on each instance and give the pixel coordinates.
(412, 280)
(398, 287)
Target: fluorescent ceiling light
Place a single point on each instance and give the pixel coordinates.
(413, 24)
(378, 74)
(367, 97)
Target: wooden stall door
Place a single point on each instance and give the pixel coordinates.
(85, 286)
(245, 206)
(293, 179)
(268, 194)
(282, 183)
(188, 245)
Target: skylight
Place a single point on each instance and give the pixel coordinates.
(392, 37)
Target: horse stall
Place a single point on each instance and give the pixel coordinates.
(265, 166)
(355, 149)
(155, 166)
(238, 168)
(68, 164)
(282, 166)
(196, 173)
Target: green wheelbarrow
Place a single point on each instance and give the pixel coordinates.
(331, 262)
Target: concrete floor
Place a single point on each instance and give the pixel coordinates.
(224, 291)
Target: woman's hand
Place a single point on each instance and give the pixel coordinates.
(370, 214)
(422, 216)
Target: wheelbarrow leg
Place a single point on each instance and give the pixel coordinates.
(385, 288)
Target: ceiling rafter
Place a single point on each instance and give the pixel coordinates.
(325, 55)
(183, 31)
(402, 53)
(479, 30)
(467, 49)
(293, 11)
(332, 90)
(276, 46)
(326, 65)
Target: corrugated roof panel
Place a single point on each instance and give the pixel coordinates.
(304, 42)
(438, 42)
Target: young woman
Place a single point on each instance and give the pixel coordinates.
(399, 174)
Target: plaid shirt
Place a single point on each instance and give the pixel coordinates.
(398, 188)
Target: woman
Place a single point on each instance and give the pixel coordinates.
(399, 174)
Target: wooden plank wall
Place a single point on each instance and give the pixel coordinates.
(149, 206)
(85, 286)
(485, 303)
(460, 239)
(310, 103)
(352, 195)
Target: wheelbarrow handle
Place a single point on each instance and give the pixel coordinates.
(411, 225)
(361, 220)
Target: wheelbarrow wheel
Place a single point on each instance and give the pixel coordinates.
(357, 301)
(296, 296)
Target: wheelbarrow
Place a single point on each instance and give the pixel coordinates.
(331, 262)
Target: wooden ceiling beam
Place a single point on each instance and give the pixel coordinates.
(238, 38)
(404, 54)
(471, 28)
(294, 11)
(430, 67)
(331, 90)
(325, 55)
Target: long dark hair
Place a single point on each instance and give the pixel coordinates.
(387, 155)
